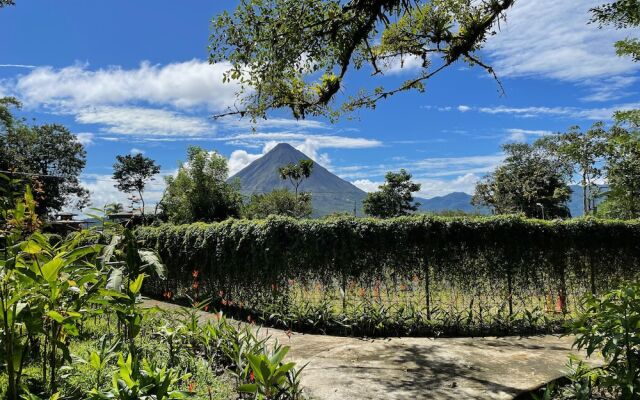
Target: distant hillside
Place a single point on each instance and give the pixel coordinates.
(455, 201)
(462, 201)
(329, 192)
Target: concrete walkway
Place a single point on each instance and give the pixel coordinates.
(422, 368)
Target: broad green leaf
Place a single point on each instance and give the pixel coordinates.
(50, 269)
(136, 285)
(56, 316)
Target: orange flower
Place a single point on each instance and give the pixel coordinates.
(361, 292)
(195, 273)
(167, 295)
(192, 386)
(195, 285)
(252, 377)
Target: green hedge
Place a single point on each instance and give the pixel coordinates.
(455, 266)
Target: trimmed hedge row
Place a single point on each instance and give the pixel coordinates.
(494, 260)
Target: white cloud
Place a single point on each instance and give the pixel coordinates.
(367, 185)
(143, 121)
(102, 191)
(610, 88)
(187, 84)
(309, 144)
(398, 65)
(551, 38)
(439, 187)
(463, 108)
(601, 113)
(135, 151)
(240, 159)
(427, 168)
(85, 138)
(521, 135)
(272, 123)
(430, 187)
(17, 66)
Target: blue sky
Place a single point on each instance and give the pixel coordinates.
(132, 76)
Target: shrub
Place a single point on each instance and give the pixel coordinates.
(431, 275)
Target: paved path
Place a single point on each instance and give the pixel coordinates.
(422, 368)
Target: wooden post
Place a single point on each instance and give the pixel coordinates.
(427, 288)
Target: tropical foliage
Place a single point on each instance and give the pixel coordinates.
(200, 191)
(72, 324)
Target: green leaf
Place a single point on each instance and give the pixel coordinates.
(136, 285)
(151, 259)
(114, 283)
(56, 316)
(50, 269)
(248, 388)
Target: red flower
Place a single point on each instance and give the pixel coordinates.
(195, 273)
(167, 295)
(206, 307)
(192, 386)
(195, 285)
(252, 378)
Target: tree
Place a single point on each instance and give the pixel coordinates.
(132, 172)
(622, 14)
(529, 181)
(295, 54)
(200, 191)
(584, 152)
(296, 173)
(48, 157)
(279, 202)
(394, 198)
(623, 175)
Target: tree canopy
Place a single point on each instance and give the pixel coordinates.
(623, 175)
(132, 172)
(279, 202)
(529, 181)
(395, 197)
(200, 191)
(48, 156)
(296, 54)
(296, 173)
(583, 152)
